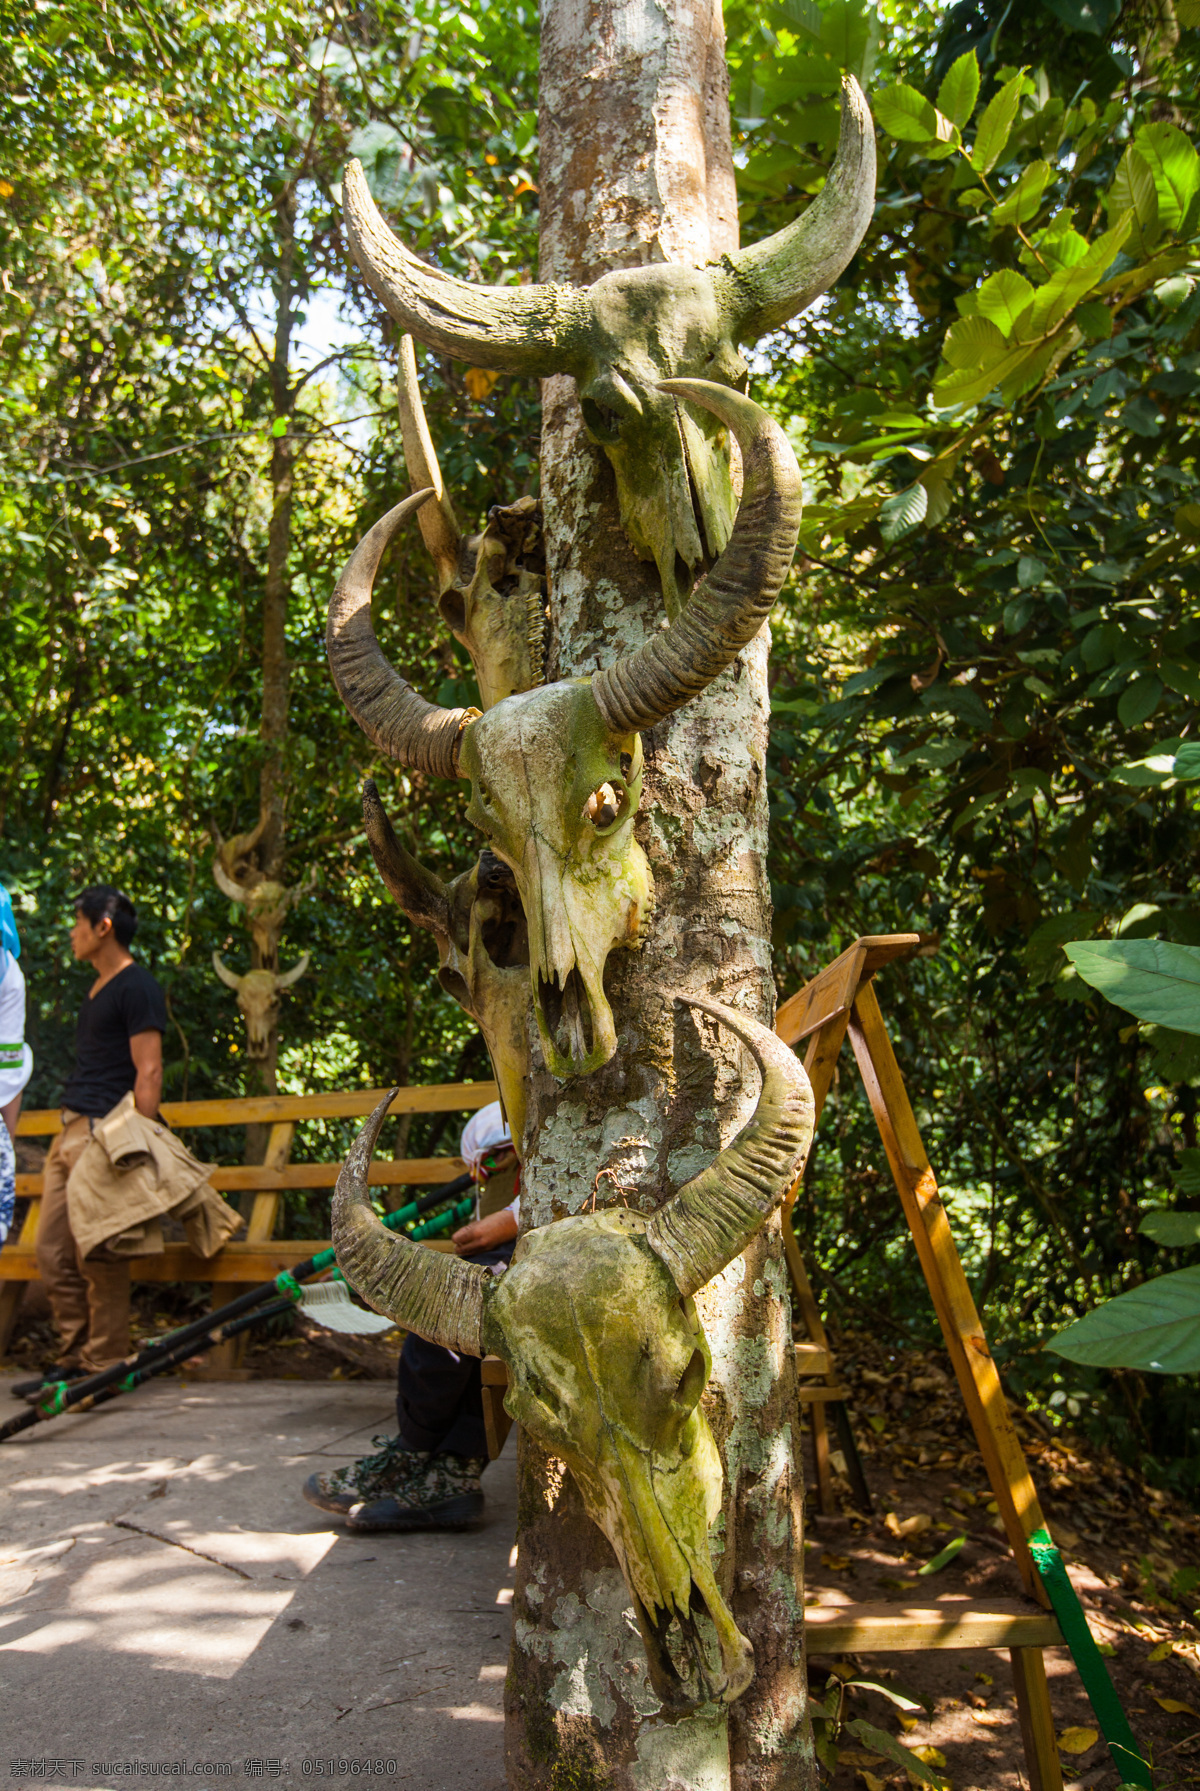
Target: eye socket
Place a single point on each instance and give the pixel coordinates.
(605, 805)
(604, 423)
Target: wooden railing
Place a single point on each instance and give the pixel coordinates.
(260, 1255)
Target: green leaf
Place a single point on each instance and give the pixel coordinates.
(1133, 190)
(1095, 320)
(850, 36)
(1023, 201)
(937, 480)
(804, 14)
(992, 136)
(1174, 167)
(1096, 17)
(1187, 762)
(1141, 415)
(909, 116)
(1139, 700)
(1068, 284)
(943, 1558)
(973, 342)
(900, 514)
(1187, 1176)
(1175, 1230)
(892, 1749)
(279, 427)
(1176, 291)
(1182, 676)
(968, 385)
(894, 1691)
(1155, 771)
(1004, 298)
(960, 89)
(1142, 921)
(1147, 977)
(1032, 362)
(1175, 1055)
(1042, 948)
(1155, 1327)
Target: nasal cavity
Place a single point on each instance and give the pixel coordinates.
(691, 1382)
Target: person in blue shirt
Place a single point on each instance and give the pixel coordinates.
(16, 1059)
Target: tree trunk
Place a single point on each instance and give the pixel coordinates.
(636, 166)
(275, 668)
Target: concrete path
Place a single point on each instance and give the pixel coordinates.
(167, 1599)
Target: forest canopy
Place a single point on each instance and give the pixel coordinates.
(986, 665)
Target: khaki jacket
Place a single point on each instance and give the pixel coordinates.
(131, 1172)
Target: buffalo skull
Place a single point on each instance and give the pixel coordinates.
(555, 773)
(596, 1322)
(634, 329)
(483, 946)
(266, 902)
(258, 997)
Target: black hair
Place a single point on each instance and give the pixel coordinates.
(102, 902)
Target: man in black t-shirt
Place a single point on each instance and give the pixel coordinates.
(118, 1048)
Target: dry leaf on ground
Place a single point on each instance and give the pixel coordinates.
(1077, 1740)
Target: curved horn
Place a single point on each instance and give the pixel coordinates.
(439, 1297)
(713, 1217)
(420, 894)
(225, 973)
(240, 845)
(777, 277)
(439, 526)
(513, 329)
(389, 711)
(288, 977)
(733, 600)
(225, 882)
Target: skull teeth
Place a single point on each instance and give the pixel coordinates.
(536, 635)
(567, 1013)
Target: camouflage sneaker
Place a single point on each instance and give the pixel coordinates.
(344, 1488)
(445, 1495)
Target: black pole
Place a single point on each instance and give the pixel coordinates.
(80, 1396)
(176, 1346)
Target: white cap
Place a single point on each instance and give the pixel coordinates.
(482, 1133)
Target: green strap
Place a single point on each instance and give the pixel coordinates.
(1127, 1755)
(444, 1221)
(288, 1284)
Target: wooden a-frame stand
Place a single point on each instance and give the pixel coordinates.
(840, 1002)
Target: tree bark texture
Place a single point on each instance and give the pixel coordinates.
(636, 167)
(277, 588)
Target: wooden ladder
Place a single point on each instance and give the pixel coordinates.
(818, 1388)
(841, 1001)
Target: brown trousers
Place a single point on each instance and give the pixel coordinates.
(89, 1299)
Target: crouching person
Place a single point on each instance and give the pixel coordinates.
(429, 1475)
